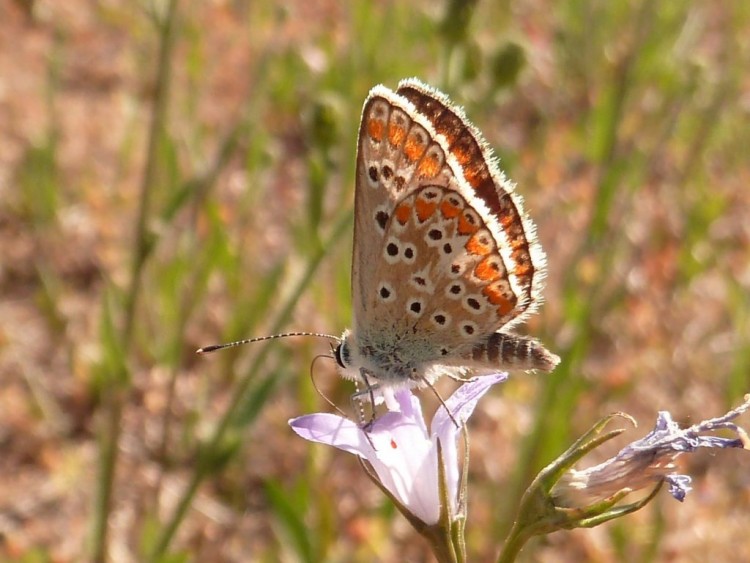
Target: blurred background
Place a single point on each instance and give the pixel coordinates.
(176, 174)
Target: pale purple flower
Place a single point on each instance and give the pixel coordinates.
(403, 454)
(651, 459)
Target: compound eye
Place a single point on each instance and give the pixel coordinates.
(341, 354)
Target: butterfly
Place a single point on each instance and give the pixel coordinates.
(445, 260)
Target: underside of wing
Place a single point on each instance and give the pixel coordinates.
(472, 159)
(444, 255)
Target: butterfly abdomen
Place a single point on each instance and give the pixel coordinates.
(503, 350)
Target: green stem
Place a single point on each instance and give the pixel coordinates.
(513, 544)
(214, 444)
(115, 394)
(444, 552)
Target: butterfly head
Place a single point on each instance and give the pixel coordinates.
(344, 353)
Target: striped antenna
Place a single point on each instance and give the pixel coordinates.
(215, 347)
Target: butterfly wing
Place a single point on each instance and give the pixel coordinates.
(489, 191)
(443, 254)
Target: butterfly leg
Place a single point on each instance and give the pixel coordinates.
(358, 397)
(439, 398)
(461, 378)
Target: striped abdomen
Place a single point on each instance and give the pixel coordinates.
(511, 351)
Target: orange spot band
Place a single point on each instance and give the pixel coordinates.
(465, 227)
(495, 296)
(396, 135)
(375, 129)
(522, 270)
(429, 166)
(413, 149)
(477, 246)
(402, 213)
(425, 209)
(486, 270)
(449, 210)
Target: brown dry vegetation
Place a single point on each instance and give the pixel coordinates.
(626, 129)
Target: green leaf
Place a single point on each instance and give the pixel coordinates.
(289, 507)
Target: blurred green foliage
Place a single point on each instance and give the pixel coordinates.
(225, 211)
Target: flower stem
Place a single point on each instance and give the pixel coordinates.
(513, 544)
(442, 547)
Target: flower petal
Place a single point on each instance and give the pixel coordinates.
(396, 446)
(405, 459)
(679, 485)
(333, 430)
(411, 409)
(461, 405)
